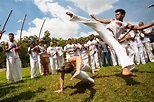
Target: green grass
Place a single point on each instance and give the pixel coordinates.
(110, 86)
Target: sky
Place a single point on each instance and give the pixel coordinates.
(57, 22)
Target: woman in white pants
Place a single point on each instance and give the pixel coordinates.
(114, 27)
(77, 69)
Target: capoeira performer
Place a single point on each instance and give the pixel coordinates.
(146, 42)
(114, 27)
(124, 40)
(77, 69)
(84, 52)
(53, 56)
(77, 48)
(69, 49)
(41, 50)
(13, 62)
(33, 60)
(138, 46)
(93, 52)
(60, 52)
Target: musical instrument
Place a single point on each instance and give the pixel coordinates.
(44, 59)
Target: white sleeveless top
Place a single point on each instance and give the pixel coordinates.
(12, 53)
(117, 27)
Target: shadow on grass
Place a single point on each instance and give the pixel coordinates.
(6, 90)
(82, 87)
(128, 79)
(23, 96)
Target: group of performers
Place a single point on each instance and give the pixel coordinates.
(51, 59)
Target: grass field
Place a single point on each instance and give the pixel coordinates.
(110, 86)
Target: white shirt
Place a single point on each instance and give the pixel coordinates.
(92, 46)
(77, 52)
(137, 41)
(42, 49)
(12, 53)
(125, 43)
(84, 49)
(146, 38)
(117, 27)
(70, 47)
(59, 50)
(33, 55)
(52, 50)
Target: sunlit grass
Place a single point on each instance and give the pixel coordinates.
(110, 86)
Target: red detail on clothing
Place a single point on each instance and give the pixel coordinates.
(119, 24)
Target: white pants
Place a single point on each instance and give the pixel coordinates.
(139, 54)
(40, 66)
(113, 57)
(107, 36)
(60, 60)
(85, 59)
(53, 64)
(83, 75)
(13, 71)
(148, 48)
(130, 52)
(94, 61)
(34, 68)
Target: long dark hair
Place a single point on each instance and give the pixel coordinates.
(66, 68)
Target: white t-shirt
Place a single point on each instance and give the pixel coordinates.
(53, 51)
(146, 38)
(77, 52)
(33, 55)
(70, 47)
(84, 49)
(137, 41)
(125, 43)
(42, 49)
(92, 46)
(59, 50)
(12, 53)
(117, 27)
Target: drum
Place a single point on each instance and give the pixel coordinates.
(44, 59)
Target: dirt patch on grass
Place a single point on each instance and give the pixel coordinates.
(2, 70)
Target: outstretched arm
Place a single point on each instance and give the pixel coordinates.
(107, 21)
(78, 62)
(62, 74)
(140, 27)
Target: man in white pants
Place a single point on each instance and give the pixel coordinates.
(41, 50)
(146, 42)
(13, 63)
(93, 52)
(53, 56)
(138, 46)
(84, 51)
(69, 49)
(33, 60)
(77, 69)
(60, 52)
(124, 41)
(114, 27)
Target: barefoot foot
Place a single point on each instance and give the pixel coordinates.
(69, 14)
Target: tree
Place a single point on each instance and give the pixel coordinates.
(46, 38)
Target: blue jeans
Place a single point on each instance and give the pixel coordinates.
(106, 59)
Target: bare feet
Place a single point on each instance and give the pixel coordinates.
(69, 14)
(126, 72)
